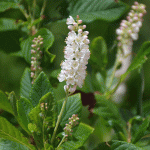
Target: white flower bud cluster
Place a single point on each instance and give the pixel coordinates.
(76, 55)
(72, 122)
(128, 31)
(36, 55)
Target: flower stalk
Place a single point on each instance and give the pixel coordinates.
(76, 58)
(59, 119)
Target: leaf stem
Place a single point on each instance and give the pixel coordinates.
(43, 7)
(23, 11)
(59, 118)
(114, 70)
(34, 6)
(61, 142)
(129, 131)
(140, 93)
(43, 133)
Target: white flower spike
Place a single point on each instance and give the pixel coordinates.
(76, 55)
(128, 30)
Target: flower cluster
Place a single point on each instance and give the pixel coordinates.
(76, 55)
(128, 31)
(43, 106)
(36, 55)
(72, 122)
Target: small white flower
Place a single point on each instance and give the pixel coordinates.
(136, 29)
(139, 24)
(134, 36)
(70, 20)
(119, 32)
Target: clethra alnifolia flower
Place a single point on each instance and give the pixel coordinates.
(36, 55)
(76, 55)
(72, 122)
(128, 30)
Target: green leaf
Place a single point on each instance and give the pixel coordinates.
(10, 145)
(120, 145)
(7, 5)
(108, 110)
(103, 146)
(24, 106)
(100, 81)
(5, 104)
(81, 134)
(139, 60)
(40, 87)
(49, 112)
(98, 49)
(90, 10)
(19, 54)
(87, 86)
(73, 106)
(146, 108)
(26, 49)
(8, 24)
(25, 84)
(141, 131)
(8, 131)
(59, 90)
(48, 40)
(36, 119)
(32, 127)
(13, 101)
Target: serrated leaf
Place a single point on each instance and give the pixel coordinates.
(120, 145)
(73, 106)
(8, 131)
(98, 49)
(141, 131)
(5, 104)
(7, 5)
(25, 84)
(90, 10)
(48, 40)
(7, 24)
(106, 108)
(81, 135)
(24, 107)
(40, 87)
(10, 145)
(139, 60)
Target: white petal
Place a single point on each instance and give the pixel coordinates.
(70, 20)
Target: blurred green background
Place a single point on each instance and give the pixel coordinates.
(12, 67)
